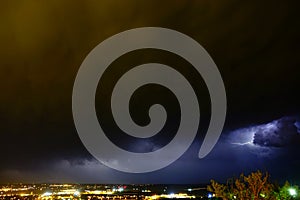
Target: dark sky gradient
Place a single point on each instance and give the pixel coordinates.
(255, 45)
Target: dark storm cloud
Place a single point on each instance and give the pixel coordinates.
(254, 44)
(279, 133)
(61, 171)
(235, 153)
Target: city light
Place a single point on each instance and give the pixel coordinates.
(209, 195)
(172, 196)
(46, 194)
(77, 193)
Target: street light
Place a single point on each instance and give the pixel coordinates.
(292, 192)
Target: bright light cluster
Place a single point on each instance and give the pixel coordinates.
(293, 192)
(172, 196)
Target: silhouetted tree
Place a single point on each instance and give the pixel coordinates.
(255, 186)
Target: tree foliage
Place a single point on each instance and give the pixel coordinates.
(255, 186)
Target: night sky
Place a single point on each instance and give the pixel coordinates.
(255, 45)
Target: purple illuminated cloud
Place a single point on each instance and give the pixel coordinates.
(278, 133)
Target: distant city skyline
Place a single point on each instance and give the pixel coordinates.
(101, 191)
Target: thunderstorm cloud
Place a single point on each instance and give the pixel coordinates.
(279, 133)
